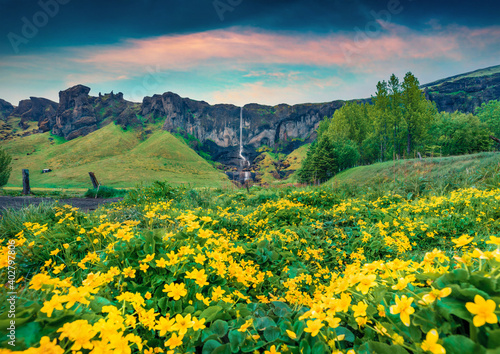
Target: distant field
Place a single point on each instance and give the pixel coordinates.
(118, 158)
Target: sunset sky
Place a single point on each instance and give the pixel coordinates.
(239, 51)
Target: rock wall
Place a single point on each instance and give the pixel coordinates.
(463, 94)
(5, 109)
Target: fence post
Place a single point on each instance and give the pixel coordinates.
(95, 183)
(26, 182)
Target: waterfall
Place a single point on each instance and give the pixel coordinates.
(244, 161)
(244, 175)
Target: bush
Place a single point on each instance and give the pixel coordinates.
(105, 192)
(5, 167)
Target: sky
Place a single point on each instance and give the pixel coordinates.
(239, 51)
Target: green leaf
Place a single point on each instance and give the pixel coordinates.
(320, 348)
(449, 306)
(272, 333)
(223, 349)
(219, 328)
(210, 313)
(98, 303)
(494, 339)
(455, 277)
(304, 347)
(264, 322)
(281, 309)
(210, 346)
(380, 348)
(348, 335)
(461, 345)
(30, 334)
(235, 339)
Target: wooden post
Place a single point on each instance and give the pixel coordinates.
(95, 183)
(26, 182)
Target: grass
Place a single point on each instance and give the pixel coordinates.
(118, 158)
(416, 176)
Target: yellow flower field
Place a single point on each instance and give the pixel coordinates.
(171, 270)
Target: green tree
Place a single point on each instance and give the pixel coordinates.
(459, 133)
(489, 113)
(5, 167)
(418, 112)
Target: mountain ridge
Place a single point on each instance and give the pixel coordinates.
(214, 130)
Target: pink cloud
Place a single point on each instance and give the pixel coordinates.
(236, 47)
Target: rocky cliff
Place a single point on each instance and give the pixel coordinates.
(5, 109)
(465, 92)
(217, 127)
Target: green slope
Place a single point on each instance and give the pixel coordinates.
(118, 158)
(416, 174)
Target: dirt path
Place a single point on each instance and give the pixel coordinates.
(84, 204)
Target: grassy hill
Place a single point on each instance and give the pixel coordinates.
(492, 70)
(416, 176)
(118, 158)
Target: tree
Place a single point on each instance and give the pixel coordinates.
(459, 133)
(489, 113)
(418, 112)
(5, 167)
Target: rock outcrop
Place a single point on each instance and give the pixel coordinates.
(463, 93)
(5, 109)
(75, 115)
(36, 109)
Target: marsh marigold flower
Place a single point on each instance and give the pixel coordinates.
(366, 282)
(436, 294)
(403, 308)
(484, 311)
(462, 240)
(313, 327)
(430, 343)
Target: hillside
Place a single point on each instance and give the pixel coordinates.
(465, 92)
(119, 158)
(415, 175)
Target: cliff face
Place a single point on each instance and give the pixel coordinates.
(217, 127)
(463, 94)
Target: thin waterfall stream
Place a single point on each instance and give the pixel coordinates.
(244, 175)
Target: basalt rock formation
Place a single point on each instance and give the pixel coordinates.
(5, 109)
(36, 109)
(80, 114)
(465, 92)
(217, 127)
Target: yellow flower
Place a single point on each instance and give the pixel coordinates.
(245, 326)
(175, 290)
(161, 263)
(483, 309)
(462, 240)
(55, 252)
(313, 327)
(272, 350)
(291, 334)
(436, 294)
(129, 272)
(182, 324)
(366, 282)
(403, 307)
(198, 324)
(360, 309)
(494, 241)
(50, 306)
(174, 341)
(430, 343)
(144, 267)
(164, 325)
